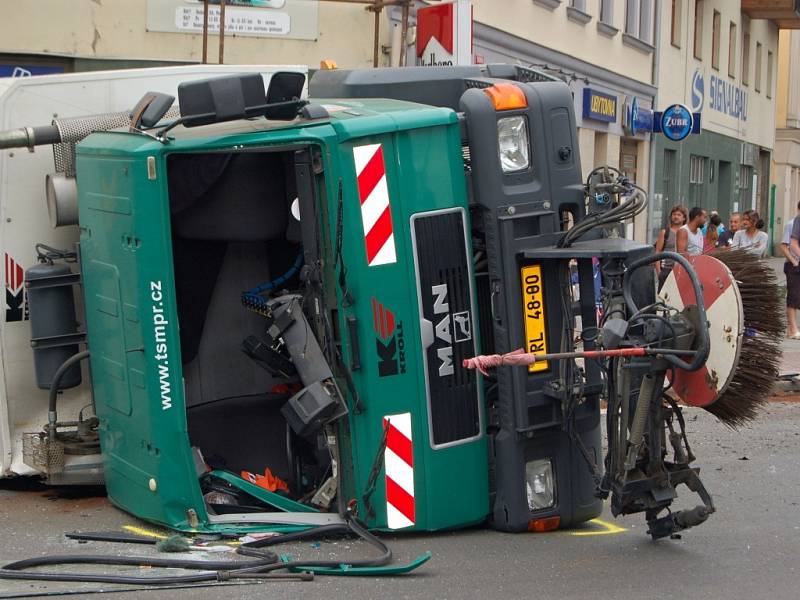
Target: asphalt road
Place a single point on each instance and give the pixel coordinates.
(749, 549)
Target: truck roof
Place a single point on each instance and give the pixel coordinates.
(349, 117)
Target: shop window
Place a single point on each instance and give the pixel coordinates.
(746, 59)
(732, 51)
(677, 13)
(769, 74)
(757, 74)
(698, 29)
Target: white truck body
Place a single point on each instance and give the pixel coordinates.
(24, 221)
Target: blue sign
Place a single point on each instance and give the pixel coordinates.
(599, 106)
(27, 71)
(723, 96)
(677, 122)
(637, 119)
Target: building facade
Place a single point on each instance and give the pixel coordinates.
(81, 35)
(604, 50)
(720, 63)
(786, 159)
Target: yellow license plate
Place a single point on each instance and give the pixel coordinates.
(533, 310)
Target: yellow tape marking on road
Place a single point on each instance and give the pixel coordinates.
(608, 528)
(144, 532)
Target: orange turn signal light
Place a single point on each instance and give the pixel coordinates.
(545, 524)
(505, 96)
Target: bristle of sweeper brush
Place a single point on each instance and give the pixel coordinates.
(760, 355)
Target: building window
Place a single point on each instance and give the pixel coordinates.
(576, 11)
(646, 20)
(607, 11)
(732, 51)
(769, 74)
(745, 175)
(746, 59)
(698, 29)
(757, 75)
(696, 169)
(677, 10)
(632, 17)
(579, 4)
(639, 23)
(715, 25)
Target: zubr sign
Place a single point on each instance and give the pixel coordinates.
(444, 34)
(723, 96)
(599, 106)
(677, 122)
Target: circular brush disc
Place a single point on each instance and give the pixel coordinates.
(723, 305)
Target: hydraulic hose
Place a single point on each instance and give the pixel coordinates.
(52, 414)
(704, 345)
(266, 563)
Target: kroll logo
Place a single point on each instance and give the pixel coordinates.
(451, 328)
(16, 299)
(390, 342)
(698, 91)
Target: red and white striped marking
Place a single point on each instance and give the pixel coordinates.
(376, 210)
(399, 465)
(15, 275)
(725, 327)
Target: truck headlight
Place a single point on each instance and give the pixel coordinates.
(540, 484)
(512, 137)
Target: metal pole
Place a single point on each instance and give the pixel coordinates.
(376, 45)
(205, 32)
(404, 35)
(221, 31)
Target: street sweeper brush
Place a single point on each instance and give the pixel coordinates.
(745, 321)
(764, 325)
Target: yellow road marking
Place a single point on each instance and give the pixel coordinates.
(144, 532)
(608, 528)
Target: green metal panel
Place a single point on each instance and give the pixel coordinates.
(132, 316)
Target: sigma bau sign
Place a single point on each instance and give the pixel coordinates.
(723, 96)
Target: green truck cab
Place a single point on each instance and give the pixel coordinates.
(295, 297)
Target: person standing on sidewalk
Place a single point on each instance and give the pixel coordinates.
(726, 237)
(690, 237)
(666, 241)
(791, 250)
(750, 237)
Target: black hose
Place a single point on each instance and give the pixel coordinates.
(52, 416)
(220, 570)
(705, 343)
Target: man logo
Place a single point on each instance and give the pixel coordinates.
(389, 342)
(698, 91)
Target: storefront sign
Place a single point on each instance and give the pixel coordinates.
(27, 71)
(257, 18)
(599, 106)
(636, 119)
(677, 122)
(444, 34)
(723, 96)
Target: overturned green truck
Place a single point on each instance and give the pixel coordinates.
(280, 293)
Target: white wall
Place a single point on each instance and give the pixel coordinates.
(552, 29)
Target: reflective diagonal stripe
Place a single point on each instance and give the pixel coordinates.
(376, 210)
(399, 466)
